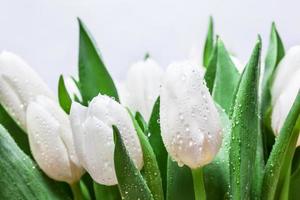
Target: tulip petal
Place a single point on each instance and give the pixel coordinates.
(98, 151)
(48, 149)
(190, 123)
(24, 82)
(285, 102)
(142, 83)
(285, 69)
(111, 113)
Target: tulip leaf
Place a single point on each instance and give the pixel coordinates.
(104, 192)
(15, 131)
(274, 54)
(211, 69)
(64, 98)
(179, 182)
(244, 129)
(93, 75)
(209, 43)
(157, 144)
(150, 169)
(294, 191)
(216, 174)
(20, 178)
(226, 78)
(141, 122)
(131, 183)
(280, 159)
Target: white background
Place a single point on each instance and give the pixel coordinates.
(45, 32)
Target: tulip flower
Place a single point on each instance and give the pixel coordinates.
(19, 85)
(51, 140)
(141, 87)
(93, 137)
(189, 120)
(285, 87)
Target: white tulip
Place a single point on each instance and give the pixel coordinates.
(51, 140)
(141, 87)
(189, 120)
(285, 88)
(93, 137)
(19, 85)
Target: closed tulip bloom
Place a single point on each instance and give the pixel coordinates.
(142, 83)
(93, 137)
(285, 87)
(189, 120)
(19, 85)
(51, 140)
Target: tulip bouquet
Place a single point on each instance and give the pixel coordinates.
(216, 130)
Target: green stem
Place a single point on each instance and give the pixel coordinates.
(199, 187)
(77, 194)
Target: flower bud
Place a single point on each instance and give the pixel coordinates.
(93, 137)
(51, 140)
(189, 120)
(285, 87)
(142, 84)
(19, 85)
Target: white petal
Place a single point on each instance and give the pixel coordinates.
(77, 118)
(284, 103)
(190, 123)
(143, 82)
(285, 69)
(111, 113)
(23, 82)
(99, 151)
(51, 140)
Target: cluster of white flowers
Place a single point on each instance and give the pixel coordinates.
(65, 146)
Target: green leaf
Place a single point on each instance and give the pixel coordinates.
(211, 69)
(103, 192)
(150, 169)
(93, 75)
(85, 191)
(179, 182)
(157, 144)
(282, 153)
(226, 78)
(131, 183)
(89, 183)
(64, 98)
(295, 176)
(244, 133)
(274, 54)
(141, 122)
(209, 43)
(15, 131)
(20, 178)
(216, 174)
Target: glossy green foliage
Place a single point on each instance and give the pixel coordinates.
(131, 183)
(280, 160)
(157, 144)
(150, 169)
(245, 129)
(216, 174)
(64, 98)
(20, 178)
(209, 43)
(226, 78)
(274, 54)
(93, 75)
